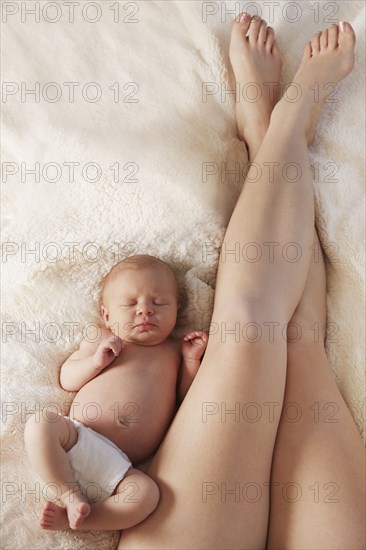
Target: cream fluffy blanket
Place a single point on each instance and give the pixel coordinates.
(149, 151)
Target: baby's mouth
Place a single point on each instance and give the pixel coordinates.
(147, 324)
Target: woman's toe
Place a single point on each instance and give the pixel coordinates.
(333, 36)
(269, 38)
(307, 52)
(324, 39)
(315, 43)
(242, 23)
(262, 34)
(346, 46)
(254, 29)
(238, 33)
(276, 49)
(347, 37)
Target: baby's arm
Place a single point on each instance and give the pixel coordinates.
(88, 361)
(194, 345)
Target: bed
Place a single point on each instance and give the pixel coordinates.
(119, 138)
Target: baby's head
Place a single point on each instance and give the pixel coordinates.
(140, 300)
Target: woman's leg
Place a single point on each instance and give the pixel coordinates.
(317, 439)
(213, 467)
(318, 470)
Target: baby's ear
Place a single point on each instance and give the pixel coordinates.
(105, 314)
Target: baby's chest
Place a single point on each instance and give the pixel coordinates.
(145, 367)
(155, 360)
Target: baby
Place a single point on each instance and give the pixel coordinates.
(129, 383)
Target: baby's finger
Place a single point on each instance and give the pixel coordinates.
(116, 346)
(191, 334)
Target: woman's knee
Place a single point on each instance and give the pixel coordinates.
(246, 327)
(252, 309)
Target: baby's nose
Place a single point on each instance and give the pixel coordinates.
(145, 309)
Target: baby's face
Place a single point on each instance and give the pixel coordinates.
(140, 305)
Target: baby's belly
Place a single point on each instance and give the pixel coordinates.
(134, 416)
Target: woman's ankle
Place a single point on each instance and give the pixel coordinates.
(291, 118)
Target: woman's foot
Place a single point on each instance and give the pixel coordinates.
(256, 59)
(328, 58)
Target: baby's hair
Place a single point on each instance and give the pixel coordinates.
(139, 261)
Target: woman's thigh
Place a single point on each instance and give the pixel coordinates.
(213, 467)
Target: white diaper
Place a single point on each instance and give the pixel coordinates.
(99, 465)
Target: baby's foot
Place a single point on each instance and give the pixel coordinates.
(256, 60)
(54, 517)
(77, 508)
(328, 58)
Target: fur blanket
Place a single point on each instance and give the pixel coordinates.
(107, 106)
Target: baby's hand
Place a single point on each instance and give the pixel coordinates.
(107, 351)
(194, 344)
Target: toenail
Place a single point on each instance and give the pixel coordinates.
(341, 26)
(256, 18)
(245, 18)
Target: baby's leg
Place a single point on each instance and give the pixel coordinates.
(47, 439)
(135, 498)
